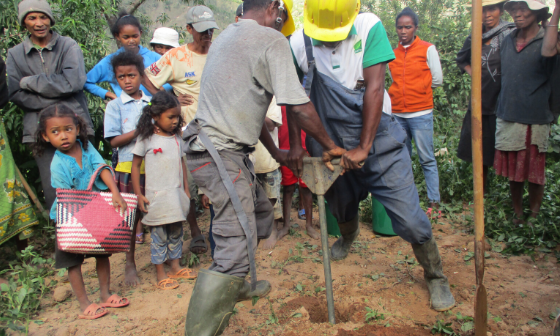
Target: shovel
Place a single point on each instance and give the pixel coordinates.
(319, 179)
(480, 301)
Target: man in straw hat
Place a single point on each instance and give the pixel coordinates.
(344, 55)
(247, 64)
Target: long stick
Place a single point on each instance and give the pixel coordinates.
(326, 256)
(31, 193)
(481, 306)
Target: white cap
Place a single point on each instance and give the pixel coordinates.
(166, 36)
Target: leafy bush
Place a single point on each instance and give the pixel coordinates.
(446, 24)
(21, 297)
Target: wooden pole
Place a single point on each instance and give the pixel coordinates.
(481, 304)
(31, 194)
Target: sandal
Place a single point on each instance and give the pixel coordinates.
(431, 215)
(140, 238)
(184, 273)
(198, 241)
(301, 215)
(115, 301)
(163, 284)
(91, 312)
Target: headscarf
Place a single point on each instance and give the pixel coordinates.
(497, 34)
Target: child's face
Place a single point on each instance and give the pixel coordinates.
(168, 120)
(61, 132)
(129, 79)
(129, 37)
(161, 48)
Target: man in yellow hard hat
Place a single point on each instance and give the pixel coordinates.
(344, 55)
(247, 64)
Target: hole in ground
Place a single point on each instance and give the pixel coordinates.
(318, 311)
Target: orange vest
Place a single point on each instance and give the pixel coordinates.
(411, 90)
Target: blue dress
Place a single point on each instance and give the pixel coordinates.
(67, 174)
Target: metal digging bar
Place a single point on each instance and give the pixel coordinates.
(319, 179)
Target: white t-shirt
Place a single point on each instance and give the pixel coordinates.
(366, 45)
(264, 163)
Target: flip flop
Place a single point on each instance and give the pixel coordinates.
(430, 215)
(138, 236)
(115, 301)
(301, 214)
(184, 273)
(163, 284)
(91, 310)
(198, 241)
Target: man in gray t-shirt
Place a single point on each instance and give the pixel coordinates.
(247, 64)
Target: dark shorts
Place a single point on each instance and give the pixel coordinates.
(65, 259)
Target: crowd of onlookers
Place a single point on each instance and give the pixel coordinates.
(155, 93)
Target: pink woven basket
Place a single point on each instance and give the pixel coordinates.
(88, 223)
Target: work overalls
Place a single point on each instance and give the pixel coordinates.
(386, 173)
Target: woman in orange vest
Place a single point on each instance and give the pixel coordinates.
(415, 72)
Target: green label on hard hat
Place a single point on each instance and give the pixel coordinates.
(358, 47)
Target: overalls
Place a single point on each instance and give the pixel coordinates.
(387, 171)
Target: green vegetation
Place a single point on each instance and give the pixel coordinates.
(21, 298)
(446, 24)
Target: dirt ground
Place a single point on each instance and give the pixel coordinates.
(379, 277)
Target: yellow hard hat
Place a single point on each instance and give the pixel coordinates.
(329, 20)
(289, 26)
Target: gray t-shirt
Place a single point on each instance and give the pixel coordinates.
(164, 179)
(246, 65)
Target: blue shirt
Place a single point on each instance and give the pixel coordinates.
(67, 174)
(121, 116)
(103, 72)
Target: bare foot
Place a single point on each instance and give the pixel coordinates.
(312, 232)
(130, 275)
(270, 242)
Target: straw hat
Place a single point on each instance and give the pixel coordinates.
(166, 36)
(534, 5)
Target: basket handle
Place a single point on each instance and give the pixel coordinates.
(96, 174)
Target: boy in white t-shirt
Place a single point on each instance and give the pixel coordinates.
(266, 168)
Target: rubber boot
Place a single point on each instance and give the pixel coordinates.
(212, 301)
(263, 288)
(427, 255)
(556, 327)
(348, 233)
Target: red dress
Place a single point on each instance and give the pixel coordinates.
(288, 177)
(520, 166)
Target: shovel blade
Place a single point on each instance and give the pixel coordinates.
(317, 176)
(480, 311)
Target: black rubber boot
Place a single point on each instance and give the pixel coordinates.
(427, 255)
(349, 231)
(263, 288)
(212, 301)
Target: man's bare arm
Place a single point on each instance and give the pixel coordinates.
(374, 78)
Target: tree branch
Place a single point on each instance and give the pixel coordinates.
(134, 6)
